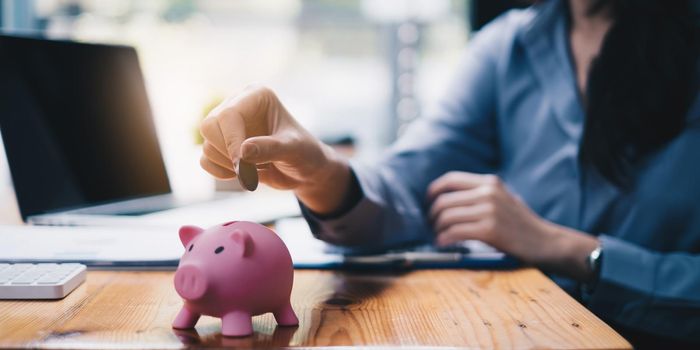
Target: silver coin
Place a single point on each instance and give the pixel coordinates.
(247, 175)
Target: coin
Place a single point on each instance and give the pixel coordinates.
(247, 175)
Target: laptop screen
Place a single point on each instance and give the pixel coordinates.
(76, 125)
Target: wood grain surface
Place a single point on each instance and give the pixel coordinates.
(451, 308)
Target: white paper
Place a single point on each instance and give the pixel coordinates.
(97, 244)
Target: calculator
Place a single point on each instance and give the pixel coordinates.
(39, 281)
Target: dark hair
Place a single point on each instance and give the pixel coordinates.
(641, 85)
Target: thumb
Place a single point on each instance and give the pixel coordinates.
(264, 149)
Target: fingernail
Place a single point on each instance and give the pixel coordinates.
(250, 150)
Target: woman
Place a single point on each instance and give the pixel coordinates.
(567, 139)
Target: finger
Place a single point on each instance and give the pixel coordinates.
(216, 170)
(211, 133)
(265, 149)
(216, 157)
(458, 199)
(457, 215)
(460, 232)
(246, 117)
(232, 127)
(459, 180)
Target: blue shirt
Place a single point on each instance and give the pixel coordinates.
(513, 109)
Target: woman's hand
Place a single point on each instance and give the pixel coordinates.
(474, 206)
(254, 126)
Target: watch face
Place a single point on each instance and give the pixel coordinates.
(594, 268)
(593, 259)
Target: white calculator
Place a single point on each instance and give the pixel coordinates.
(39, 281)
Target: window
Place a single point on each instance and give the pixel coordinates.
(346, 68)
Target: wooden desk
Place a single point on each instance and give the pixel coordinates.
(454, 308)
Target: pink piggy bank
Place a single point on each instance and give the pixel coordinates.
(234, 271)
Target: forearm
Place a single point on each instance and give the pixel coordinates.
(326, 191)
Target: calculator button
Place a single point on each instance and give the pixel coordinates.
(50, 279)
(23, 280)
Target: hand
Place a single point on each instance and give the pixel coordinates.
(473, 206)
(255, 126)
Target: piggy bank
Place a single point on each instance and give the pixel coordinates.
(234, 271)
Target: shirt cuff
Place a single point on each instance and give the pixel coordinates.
(626, 278)
(354, 224)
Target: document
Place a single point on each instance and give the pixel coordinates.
(93, 246)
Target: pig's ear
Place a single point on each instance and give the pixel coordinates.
(244, 243)
(188, 233)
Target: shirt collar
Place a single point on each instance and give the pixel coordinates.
(546, 44)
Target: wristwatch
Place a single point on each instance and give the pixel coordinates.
(594, 261)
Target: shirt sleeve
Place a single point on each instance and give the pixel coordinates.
(646, 290)
(461, 134)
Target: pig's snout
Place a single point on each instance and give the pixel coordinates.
(190, 282)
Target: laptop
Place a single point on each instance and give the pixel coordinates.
(81, 142)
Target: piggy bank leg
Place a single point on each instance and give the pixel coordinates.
(286, 316)
(185, 319)
(236, 324)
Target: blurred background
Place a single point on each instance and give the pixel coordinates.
(354, 72)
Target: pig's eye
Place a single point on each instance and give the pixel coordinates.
(190, 249)
(219, 250)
